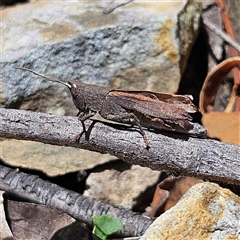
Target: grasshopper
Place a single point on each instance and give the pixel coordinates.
(144, 109)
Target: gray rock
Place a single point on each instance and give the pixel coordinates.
(135, 46)
(121, 188)
(212, 13)
(5, 232)
(206, 211)
(53, 160)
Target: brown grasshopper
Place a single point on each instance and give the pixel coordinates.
(152, 110)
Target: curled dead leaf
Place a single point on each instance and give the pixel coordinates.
(213, 81)
(224, 126)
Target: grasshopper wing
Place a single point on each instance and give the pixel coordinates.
(149, 104)
(182, 101)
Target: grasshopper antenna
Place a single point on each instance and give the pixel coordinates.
(47, 78)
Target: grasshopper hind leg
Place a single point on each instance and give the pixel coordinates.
(136, 122)
(113, 112)
(144, 137)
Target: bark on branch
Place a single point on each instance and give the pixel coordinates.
(174, 153)
(34, 189)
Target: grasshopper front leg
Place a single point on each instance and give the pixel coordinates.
(83, 116)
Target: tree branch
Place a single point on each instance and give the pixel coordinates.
(174, 153)
(34, 189)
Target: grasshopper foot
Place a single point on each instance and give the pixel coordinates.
(77, 138)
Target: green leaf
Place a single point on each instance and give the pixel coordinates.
(106, 225)
(99, 233)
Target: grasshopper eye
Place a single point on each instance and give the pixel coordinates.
(74, 85)
(73, 89)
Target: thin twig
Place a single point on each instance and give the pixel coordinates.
(115, 4)
(222, 34)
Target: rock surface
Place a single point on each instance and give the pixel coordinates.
(52, 160)
(5, 232)
(128, 46)
(206, 211)
(212, 14)
(121, 188)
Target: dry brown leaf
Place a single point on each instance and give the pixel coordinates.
(224, 126)
(169, 192)
(35, 221)
(30, 221)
